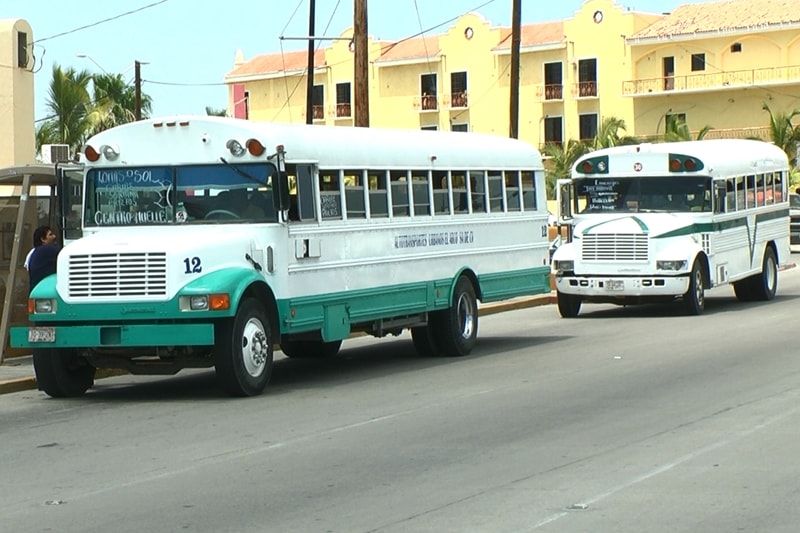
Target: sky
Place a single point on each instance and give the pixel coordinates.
(186, 47)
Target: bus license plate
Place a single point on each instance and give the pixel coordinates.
(615, 285)
(41, 334)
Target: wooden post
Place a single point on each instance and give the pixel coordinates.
(513, 119)
(361, 75)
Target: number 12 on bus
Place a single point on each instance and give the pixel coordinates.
(207, 241)
(664, 222)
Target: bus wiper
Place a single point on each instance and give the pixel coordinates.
(243, 173)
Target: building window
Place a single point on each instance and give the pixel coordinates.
(459, 127)
(553, 81)
(429, 128)
(668, 66)
(343, 100)
(318, 102)
(673, 120)
(587, 77)
(736, 48)
(22, 49)
(428, 91)
(698, 62)
(458, 89)
(553, 130)
(588, 126)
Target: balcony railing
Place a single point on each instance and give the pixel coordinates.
(457, 100)
(550, 92)
(426, 102)
(585, 89)
(757, 132)
(343, 110)
(713, 81)
(318, 112)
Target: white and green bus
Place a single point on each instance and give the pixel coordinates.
(207, 241)
(664, 222)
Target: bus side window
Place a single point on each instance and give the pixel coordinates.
(740, 193)
(441, 194)
(354, 194)
(477, 183)
(460, 192)
(528, 191)
(400, 205)
(419, 190)
(303, 194)
(779, 186)
(378, 198)
(496, 199)
(330, 195)
(512, 190)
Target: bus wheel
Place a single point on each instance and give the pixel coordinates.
(569, 305)
(243, 351)
(743, 290)
(424, 342)
(455, 329)
(695, 298)
(765, 285)
(310, 349)
(61, 372)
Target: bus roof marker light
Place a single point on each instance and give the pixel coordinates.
(235, 148)
(587, 167)
(110, 152)
(90, 153)
(255, 147)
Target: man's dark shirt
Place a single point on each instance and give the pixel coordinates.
(42, 263)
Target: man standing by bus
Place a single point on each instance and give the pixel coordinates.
(42, 261)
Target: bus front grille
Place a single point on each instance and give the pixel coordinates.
(614, 247)
(118, 274)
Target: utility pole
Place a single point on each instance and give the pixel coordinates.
(137, 88)
(516, 18)
(361, 75)
(310, 68)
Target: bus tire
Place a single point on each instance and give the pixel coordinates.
(694, 300)
(61, 372)
(455, 330)
(569, 305)
(243, 350)
(743, 290)
(310, 349)
(424, 341)
(765, 285)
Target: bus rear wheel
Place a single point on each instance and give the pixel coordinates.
(569, 305)
(455, 330)
(764, 285)
(61, 372)
(243, 350)
(310, 349)
(694, 300)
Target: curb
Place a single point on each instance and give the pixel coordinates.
(29, 382)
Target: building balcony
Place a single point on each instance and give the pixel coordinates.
(318, 112)
(585, 89)
(548, 93)
(703, 82)
(342, 111)
(426, 102)
(755, 132)
(457, 100)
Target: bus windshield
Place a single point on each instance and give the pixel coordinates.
(198, 194)
(643, 194)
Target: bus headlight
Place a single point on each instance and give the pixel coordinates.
(564, 266)
(205, 302)
(45, 306)
(671, 265)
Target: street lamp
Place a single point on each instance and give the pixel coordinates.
(87, 56)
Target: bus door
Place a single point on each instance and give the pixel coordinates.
(69, 196)
(564, 201)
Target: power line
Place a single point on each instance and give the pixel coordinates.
(92, 25)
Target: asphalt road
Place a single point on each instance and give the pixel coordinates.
(625, 419)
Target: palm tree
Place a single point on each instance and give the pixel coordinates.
(608, 134)
(782, 132)
(222, 112)
(68, 103)
(114, 102)
(560, 158)
(678, 130)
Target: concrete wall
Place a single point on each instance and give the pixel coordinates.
(16, 93)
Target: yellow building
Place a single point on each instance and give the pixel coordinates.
(16, 93)
(711, 64)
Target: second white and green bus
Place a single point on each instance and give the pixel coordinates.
(664, 222)
(207, 241)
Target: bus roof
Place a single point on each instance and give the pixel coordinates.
(187, 139)
(719, 156)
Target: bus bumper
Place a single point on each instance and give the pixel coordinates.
(112, 335)
(612, 287)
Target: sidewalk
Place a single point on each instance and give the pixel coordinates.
(16, 373)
